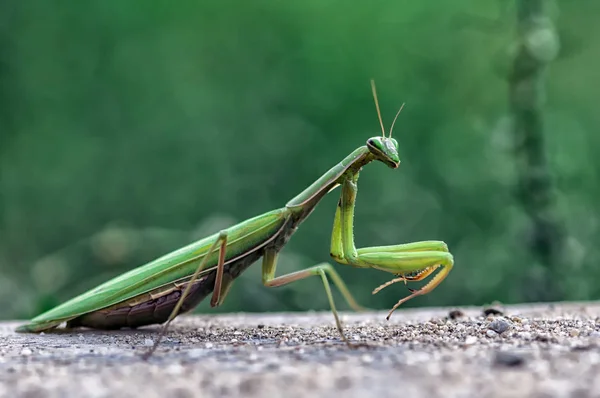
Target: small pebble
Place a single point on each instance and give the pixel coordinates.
(492, 311)
(195, 353)
(508, 359)
(250, 386)
(148, 342)
(470, 340)
(343, 383)
(366, 359)
(491, 334)
(499, 325)
(26, 351)
(542, 337)
(454, 314)
(585, 347)
(174, 369)
(525, 335)
(574, 333)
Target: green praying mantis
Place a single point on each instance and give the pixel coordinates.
(157, 292)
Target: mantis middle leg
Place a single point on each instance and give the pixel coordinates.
(324, 270)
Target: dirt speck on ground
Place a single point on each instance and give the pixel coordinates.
(544, 350)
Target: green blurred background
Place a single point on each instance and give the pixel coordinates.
(128, 129)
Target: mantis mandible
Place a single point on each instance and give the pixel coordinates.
(175, 283)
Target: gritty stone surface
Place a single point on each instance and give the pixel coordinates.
(546, 350)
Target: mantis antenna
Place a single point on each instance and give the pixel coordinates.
(377, 106)
(394, 122)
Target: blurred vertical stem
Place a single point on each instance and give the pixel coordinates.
(5, 95)
(537, 46)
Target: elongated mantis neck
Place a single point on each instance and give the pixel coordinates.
(308, 199)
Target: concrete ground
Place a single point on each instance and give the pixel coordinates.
(549, 350)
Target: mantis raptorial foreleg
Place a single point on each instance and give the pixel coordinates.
(422, 257)
(419, 276)
(323, 270)
(414, 276)
(403, 262)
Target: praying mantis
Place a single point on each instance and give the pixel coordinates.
(157, 292)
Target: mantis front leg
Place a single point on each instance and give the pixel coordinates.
(420, 257)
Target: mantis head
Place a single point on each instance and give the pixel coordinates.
(384, 148)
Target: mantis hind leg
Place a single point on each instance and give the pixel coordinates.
(221, 241)
(227, 282)
(324, 270)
